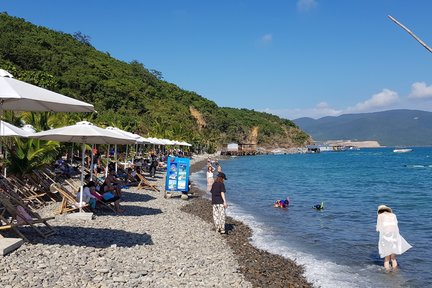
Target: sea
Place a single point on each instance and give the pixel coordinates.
(337, 245)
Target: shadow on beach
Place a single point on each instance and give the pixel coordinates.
(89, 237)
(136, 197)
(129, 210)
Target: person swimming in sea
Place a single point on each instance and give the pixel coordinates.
(282, 203)
(319, 206)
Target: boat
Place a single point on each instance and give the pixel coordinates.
(402, 150)
(325, 148)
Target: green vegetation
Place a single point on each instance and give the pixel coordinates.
(128, 95)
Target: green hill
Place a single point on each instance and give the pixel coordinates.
(128, 95)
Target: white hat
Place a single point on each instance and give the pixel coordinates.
(384, 207)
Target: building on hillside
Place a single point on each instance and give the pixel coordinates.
(241, 149)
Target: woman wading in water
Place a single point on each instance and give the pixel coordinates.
(390, 241)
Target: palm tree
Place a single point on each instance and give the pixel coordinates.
(25, 155)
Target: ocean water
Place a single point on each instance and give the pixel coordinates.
(338, 245)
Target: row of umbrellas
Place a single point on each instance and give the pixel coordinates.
(81, 129)
(21, 96)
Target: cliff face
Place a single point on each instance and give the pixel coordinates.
(128, 95)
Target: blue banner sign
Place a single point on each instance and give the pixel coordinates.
(177, 177)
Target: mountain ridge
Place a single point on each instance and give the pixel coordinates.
(390, 128)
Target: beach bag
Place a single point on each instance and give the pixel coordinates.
(107, 196)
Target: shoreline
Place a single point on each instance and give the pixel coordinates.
(151, 244)
(156, 242)
(259, 267)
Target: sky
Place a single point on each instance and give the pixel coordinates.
(291, 58)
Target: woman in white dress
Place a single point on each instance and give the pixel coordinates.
(210, 177)
(391, 243)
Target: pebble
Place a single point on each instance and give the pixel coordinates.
(152, 244)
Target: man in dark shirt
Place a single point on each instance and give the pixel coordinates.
(219, 202)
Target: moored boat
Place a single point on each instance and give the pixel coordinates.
(402, 150)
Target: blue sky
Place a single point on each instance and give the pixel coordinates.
(292, 58)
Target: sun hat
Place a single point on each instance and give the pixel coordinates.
(220, 174)
(384, 207)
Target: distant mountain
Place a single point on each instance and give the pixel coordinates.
(389, 128)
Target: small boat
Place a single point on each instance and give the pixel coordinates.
(402, 150)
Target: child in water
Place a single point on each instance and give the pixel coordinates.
(282, 203)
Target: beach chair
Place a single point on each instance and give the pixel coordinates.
(104, 204)
(23, 191)
(15, 213)
(68, 203)
(145, 184)
(41, 182)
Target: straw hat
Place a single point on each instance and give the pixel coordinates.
(384, 207)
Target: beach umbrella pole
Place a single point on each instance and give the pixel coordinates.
(108, 157)
(91, 163)
(127, 152)
(115, 157)
(82, 177)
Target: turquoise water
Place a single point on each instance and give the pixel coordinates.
(338, 245)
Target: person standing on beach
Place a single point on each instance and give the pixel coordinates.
(210, 177)
(219, 202)
(390, 241)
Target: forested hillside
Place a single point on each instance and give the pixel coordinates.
(128, 95)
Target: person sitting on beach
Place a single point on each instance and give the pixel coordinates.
(111, 184)
(132, 177)
(107, 197)
(87, 196)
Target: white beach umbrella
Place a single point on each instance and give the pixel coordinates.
(183, 143)
(21, 96)
(29, 128)
(8, 129)
(82, 132)
(143, 140)
(124, 134)
(17, 95)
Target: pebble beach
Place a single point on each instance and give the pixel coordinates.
(156, 242)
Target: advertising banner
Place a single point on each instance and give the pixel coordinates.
(177, 177)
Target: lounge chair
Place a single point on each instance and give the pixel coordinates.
(21, 215)
(68, 202)
(144, 183)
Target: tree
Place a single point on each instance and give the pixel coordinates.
(26, 155)
(85, 39)
(156, 73)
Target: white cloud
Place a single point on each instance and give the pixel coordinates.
(267, 38)
(322, 109)
(384, 99)
(420, 90)
(306, 5)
